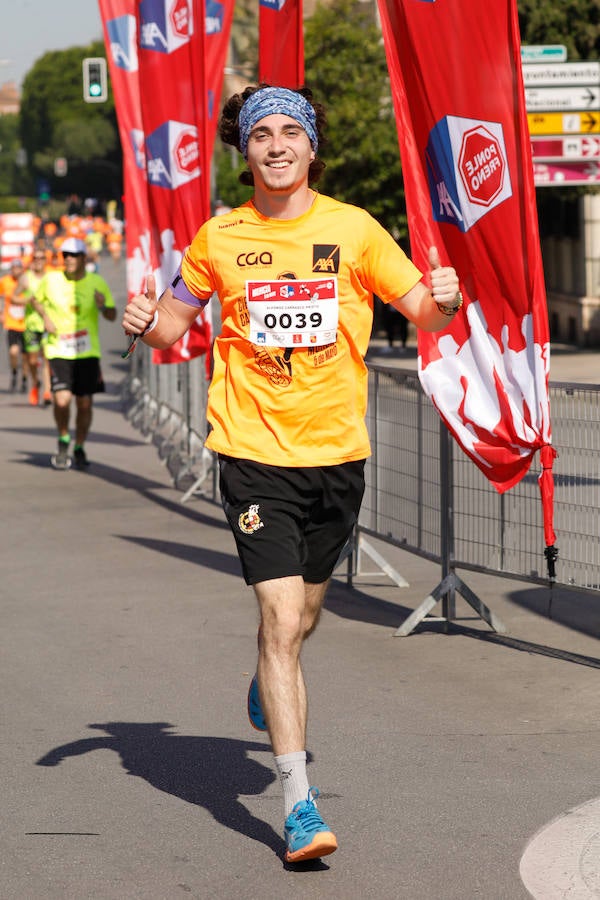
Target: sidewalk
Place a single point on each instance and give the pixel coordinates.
(128, 631)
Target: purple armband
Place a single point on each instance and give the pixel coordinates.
(180, 290)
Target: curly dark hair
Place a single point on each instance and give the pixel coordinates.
(229, 131)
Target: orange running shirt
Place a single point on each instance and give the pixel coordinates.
(14, 316)
(294, 406)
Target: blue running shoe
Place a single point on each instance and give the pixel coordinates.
(255, 713)
(306, 834)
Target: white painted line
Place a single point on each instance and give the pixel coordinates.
(562, 861)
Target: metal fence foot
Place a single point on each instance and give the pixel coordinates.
(479, 606)
(365, 547)
(450, 583)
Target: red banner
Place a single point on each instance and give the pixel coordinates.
(281, 43)
(166, 61)
(465, 148)
(195, 342)
(173, 104)
(119, 18)
(219, 15)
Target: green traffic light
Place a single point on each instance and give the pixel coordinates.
(94, 80)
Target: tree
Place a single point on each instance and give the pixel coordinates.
(574, 23)
(345, 65)
(9, 144)
(55, 121)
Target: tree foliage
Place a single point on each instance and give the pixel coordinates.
(574, 23)
(9, 144)
(55, 121)
(345, 66)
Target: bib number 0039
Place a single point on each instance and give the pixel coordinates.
(299, 320)
(293, 313)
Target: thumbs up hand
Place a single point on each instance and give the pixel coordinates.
(444, 284)
(151, 290)
(140, 310)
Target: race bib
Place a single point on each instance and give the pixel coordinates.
(71, 345)
(293, 313)
(16, 312)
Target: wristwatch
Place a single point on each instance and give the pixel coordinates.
(451, 310)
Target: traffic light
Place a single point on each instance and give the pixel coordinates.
(94, 79)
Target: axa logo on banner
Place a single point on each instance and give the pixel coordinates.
(123, 46)
(213, 20)
(172, 155)
(165, 25)
(277, 5)
(467, 170)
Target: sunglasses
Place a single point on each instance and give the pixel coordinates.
(65, 255)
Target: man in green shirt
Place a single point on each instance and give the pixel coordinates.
(70, 303)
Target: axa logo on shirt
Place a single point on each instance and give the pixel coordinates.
(123, 47)
(213, 20)
(265, 258)
(467, 170)
(172, 155)
(326, 258)
(165, 25)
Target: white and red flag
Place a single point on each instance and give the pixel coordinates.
(281, 43)
(458, 95)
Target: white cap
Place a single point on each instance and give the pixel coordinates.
(73, 245)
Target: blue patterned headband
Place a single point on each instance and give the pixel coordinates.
(270, 100)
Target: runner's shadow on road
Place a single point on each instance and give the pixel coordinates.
(211, 772)
(148, 488)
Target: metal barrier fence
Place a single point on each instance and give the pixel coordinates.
(167, 404)
(422, 493)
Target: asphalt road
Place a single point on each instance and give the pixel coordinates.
(446, 762)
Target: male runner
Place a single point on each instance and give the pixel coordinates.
(70, 303)
(295, 272)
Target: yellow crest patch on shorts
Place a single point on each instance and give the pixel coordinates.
(250, 520)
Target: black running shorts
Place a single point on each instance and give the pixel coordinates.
(82, 377)
(15, 338)
(288, 520)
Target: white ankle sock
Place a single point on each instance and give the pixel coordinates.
(291, 768)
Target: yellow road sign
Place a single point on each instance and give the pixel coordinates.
(564, 123)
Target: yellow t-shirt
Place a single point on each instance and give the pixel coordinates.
(300, 405)
(72, 307)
